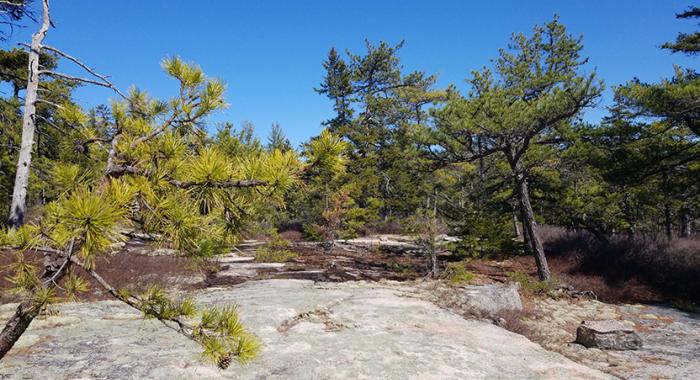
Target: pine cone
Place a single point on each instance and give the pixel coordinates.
(225, 361)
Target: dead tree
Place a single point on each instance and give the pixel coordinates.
(18, 207)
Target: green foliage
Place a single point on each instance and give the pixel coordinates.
(23, 275)
(154, 303)
(378, 112)
(457, 274)
(277, 140)
(229, 339)
(87, 219)
(275, 251)
(43, 297)
(269, 255)
(325, 154)
(687, 43)
(529, 285)
(74, 285)
(23, 238)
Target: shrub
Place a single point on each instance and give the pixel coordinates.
(267, 255)
(457, 274)
(670, 267)
(533, 286)
(275, 251)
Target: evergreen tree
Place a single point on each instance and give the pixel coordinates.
(155, 174)
(522, 113)
(337, 86)
(686, 43)
(380, 111)
(277, 139)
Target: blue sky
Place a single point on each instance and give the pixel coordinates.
(270, 52)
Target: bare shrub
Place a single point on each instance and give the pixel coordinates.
(625, 268)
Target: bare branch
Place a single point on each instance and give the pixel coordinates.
(106, 82)
(74, 79)
(221, 184)
(49, 103)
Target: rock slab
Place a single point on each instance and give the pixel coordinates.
(352, 330)
(608, 335)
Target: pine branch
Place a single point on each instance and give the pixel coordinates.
(220, 184)
(199, 333)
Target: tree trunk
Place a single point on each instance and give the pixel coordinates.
(19, 193)
(526, 234)
(668, 221)
(685, 223)
(15, 327)
(516, 226)
(530, 229)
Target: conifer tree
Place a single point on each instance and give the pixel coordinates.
(521, 113)
(379, 110)
(157, 174)
(337, 86)
(686, 43)
(277, 139)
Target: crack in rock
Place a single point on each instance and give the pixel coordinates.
(321, 314)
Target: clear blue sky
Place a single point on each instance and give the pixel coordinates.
(270, 52)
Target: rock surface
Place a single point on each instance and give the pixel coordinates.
(309, 331)
(608, 335)
(481, 301)
(489, 300)
(671, 339)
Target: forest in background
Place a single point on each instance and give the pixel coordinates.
(490, 165)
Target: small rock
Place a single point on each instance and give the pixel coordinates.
(490, 300)
(608, 335)
(648, 316)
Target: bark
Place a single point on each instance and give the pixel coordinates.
(516, 226)
(435, 269)
(19, 194)
(526, 234)
(530, 228)
(18, 323)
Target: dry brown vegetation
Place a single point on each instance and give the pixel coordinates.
(124, 269)
(628, 269)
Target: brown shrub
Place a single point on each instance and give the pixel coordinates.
(644, 268)
(133, 271)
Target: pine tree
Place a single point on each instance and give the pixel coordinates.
(379, 112)
(686, 43)
(337, 86)
(521, 113)
(277, 139)
(187, 189)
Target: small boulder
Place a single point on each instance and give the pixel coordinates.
(490, 300)
(608, 335)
